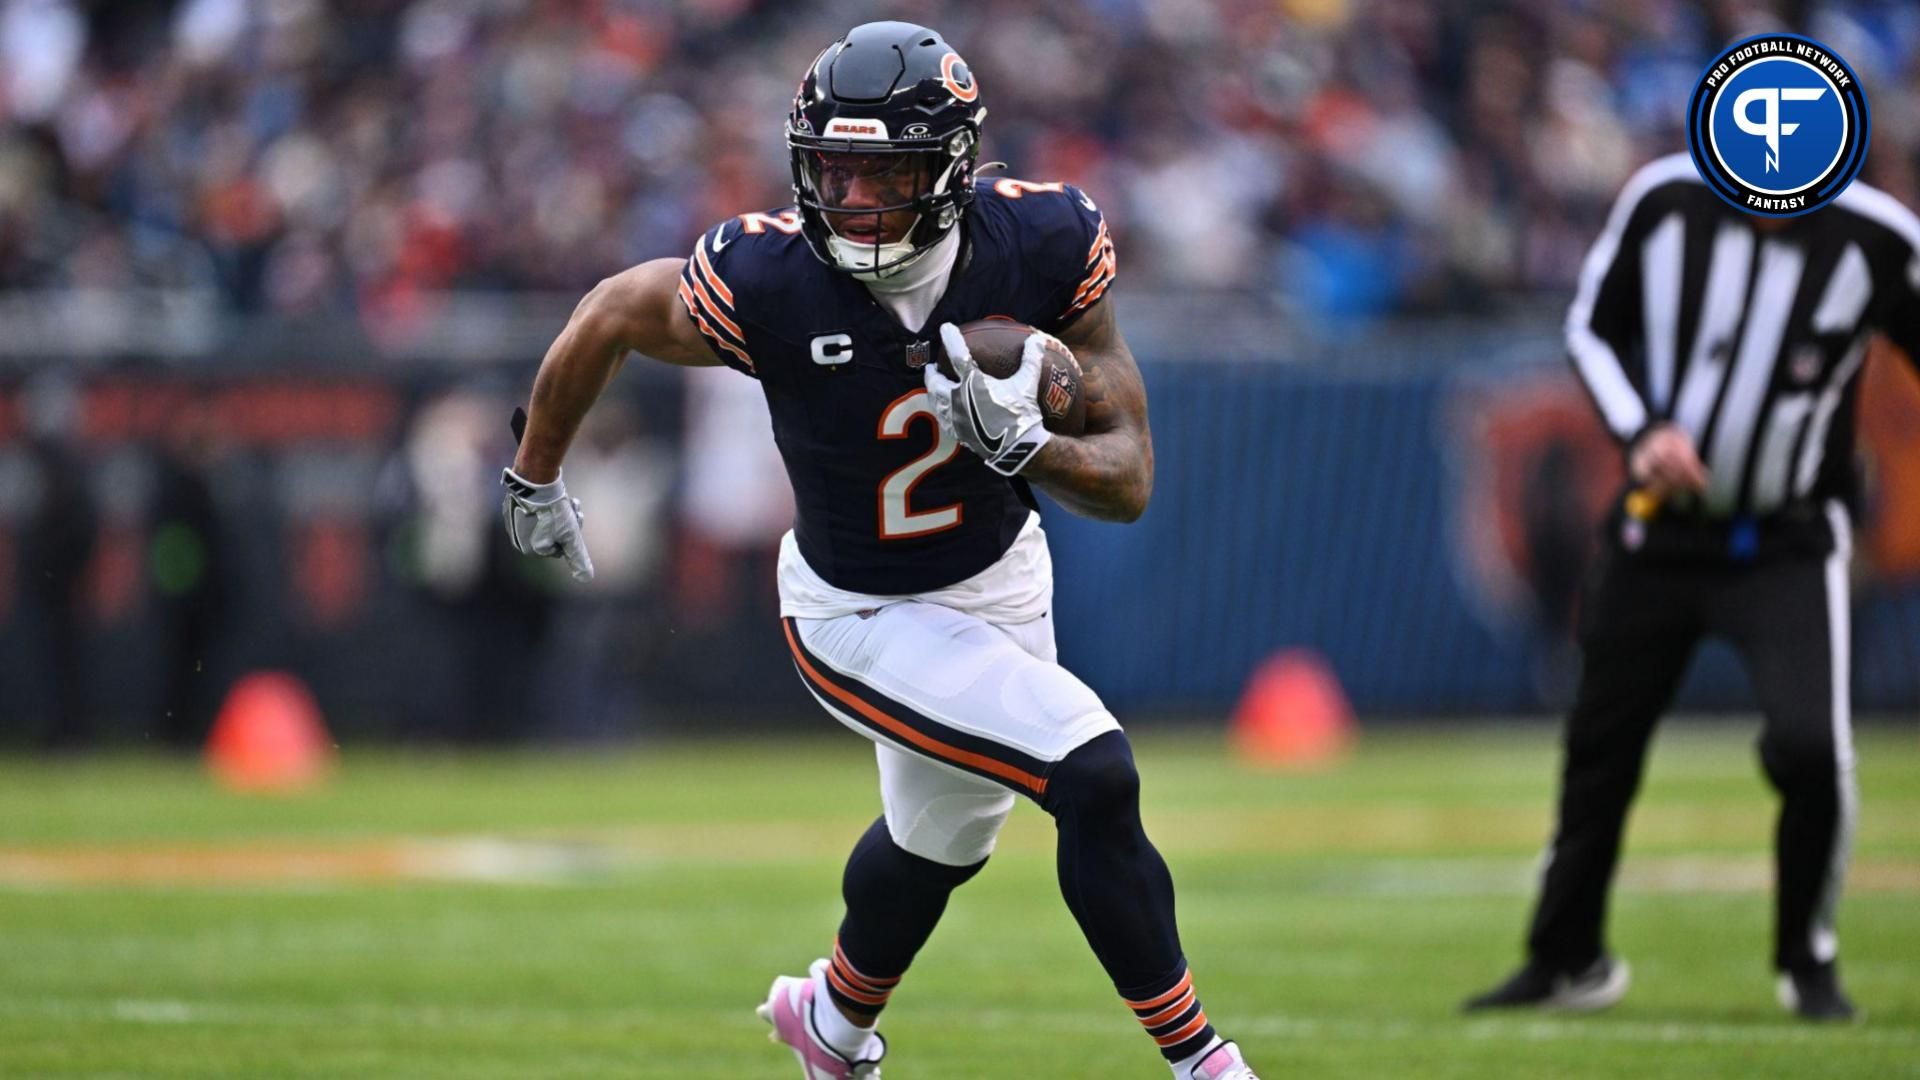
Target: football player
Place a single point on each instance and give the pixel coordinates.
(916, 583)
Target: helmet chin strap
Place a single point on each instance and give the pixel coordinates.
(861, 259)
(930, 264)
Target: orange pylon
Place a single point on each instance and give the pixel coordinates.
(269, 736)
(1293, 713)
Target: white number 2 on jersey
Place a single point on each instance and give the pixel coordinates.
(897, 520)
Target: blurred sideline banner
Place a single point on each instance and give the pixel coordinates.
(1416, 506)
(1425, 530)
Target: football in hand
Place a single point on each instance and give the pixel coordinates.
(996, 344)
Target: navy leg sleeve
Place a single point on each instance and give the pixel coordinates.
(1120, 891)
(894, 900)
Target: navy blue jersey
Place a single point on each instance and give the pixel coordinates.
(886, 504)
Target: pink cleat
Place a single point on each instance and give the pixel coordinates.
(789, 1008)
(1223, 1063)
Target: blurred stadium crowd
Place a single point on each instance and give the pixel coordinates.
(1346, 158)
(217, 455)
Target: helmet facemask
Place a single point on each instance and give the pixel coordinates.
(874, 206)
(883, 135)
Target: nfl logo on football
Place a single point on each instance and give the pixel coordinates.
(1059, 395)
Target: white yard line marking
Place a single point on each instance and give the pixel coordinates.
(1531, 1029)
(608, 853)
(1278, 1026)
(152, 1012)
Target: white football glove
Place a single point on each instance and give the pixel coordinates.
(543, 520)
(998, 419)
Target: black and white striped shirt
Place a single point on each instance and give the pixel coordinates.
(1748, 333)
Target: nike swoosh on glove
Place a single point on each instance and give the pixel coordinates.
(998, 419)
(542, 520)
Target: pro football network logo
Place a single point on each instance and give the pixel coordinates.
(1778, 125)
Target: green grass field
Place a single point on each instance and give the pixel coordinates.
(620, 914)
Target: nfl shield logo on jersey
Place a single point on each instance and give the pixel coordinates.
(1807, 363)
(918, 354)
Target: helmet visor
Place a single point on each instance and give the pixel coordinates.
(869, 196)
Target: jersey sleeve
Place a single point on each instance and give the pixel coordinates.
(1900, 306)
(1604, 328)
(712, 302)
(1076, 257)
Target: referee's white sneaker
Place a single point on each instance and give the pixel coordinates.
(1535, 986)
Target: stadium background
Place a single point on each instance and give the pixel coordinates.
(272, 275)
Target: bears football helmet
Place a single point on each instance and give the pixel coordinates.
(893, 102)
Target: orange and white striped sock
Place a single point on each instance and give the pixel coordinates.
(1170, 1011)
(853, 990)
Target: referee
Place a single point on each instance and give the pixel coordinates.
(1723, 350)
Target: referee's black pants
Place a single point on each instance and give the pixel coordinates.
(1788, 619)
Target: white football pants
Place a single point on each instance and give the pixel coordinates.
(964, 713)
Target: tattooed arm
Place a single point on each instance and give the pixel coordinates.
(1106, 473)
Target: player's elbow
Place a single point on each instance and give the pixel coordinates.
(1128, 500)
(1134, 502)
(1139, 489)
